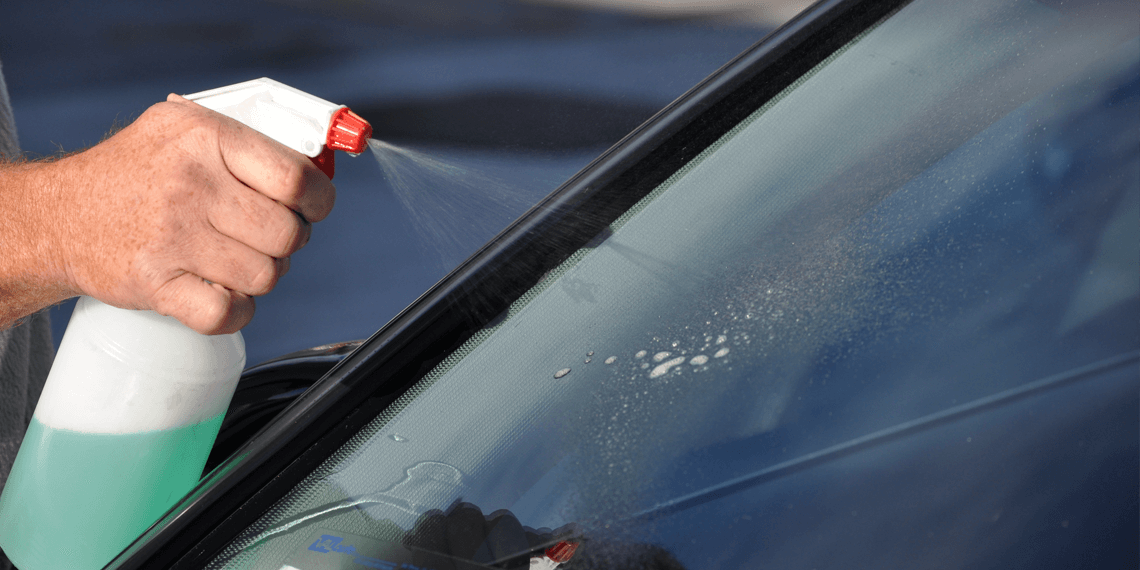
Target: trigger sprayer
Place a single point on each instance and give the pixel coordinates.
(307, 124)
(134, 400)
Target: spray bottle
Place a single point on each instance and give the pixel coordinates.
(134, 400)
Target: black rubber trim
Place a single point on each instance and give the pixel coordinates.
(242, 488)
(265, 390)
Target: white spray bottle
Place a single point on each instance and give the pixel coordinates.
(134, 400)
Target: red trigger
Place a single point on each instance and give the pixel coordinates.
(326, 161)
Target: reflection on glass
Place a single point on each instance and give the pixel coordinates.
(889, 318)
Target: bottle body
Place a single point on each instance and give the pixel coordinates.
(122, 430)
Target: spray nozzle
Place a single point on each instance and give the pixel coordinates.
(348, 132)
(305, 123)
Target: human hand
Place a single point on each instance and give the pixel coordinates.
(185, 212)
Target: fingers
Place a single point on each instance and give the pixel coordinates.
(231, 207)
(259, 222)
(271, 168)
(215, 294)
(208, 308)
(276, 171)
(236, 266)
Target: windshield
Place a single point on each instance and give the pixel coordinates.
(888, 320)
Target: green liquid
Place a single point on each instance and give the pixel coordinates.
(75, 500)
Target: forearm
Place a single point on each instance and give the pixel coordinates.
(32, 275)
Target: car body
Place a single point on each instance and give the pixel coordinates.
(866, 297)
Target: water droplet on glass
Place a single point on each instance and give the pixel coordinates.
(611, 360)
(644, 365)
(721, 339)
(398, 438)
(699, 360)
(660, 356)
(675, 343)
(664, 367)
(591, 353)
(562, 373)
(588, 359)
(721, 352)
(640, 354)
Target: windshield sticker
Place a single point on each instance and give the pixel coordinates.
(336, 550)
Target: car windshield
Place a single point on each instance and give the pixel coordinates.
(887, 320)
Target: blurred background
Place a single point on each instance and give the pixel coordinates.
(492, 104)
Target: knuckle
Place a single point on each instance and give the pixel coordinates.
(168, 111)
(161, 110)
(206, 314)
(203, 131)
(292, 178)
(239, 312)
(212, 317)
(265, 279)
(307, 190)
(290, 236)
(324, 206)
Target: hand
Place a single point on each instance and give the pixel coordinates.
(185, 212)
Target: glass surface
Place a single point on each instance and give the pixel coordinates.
(887, 321)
